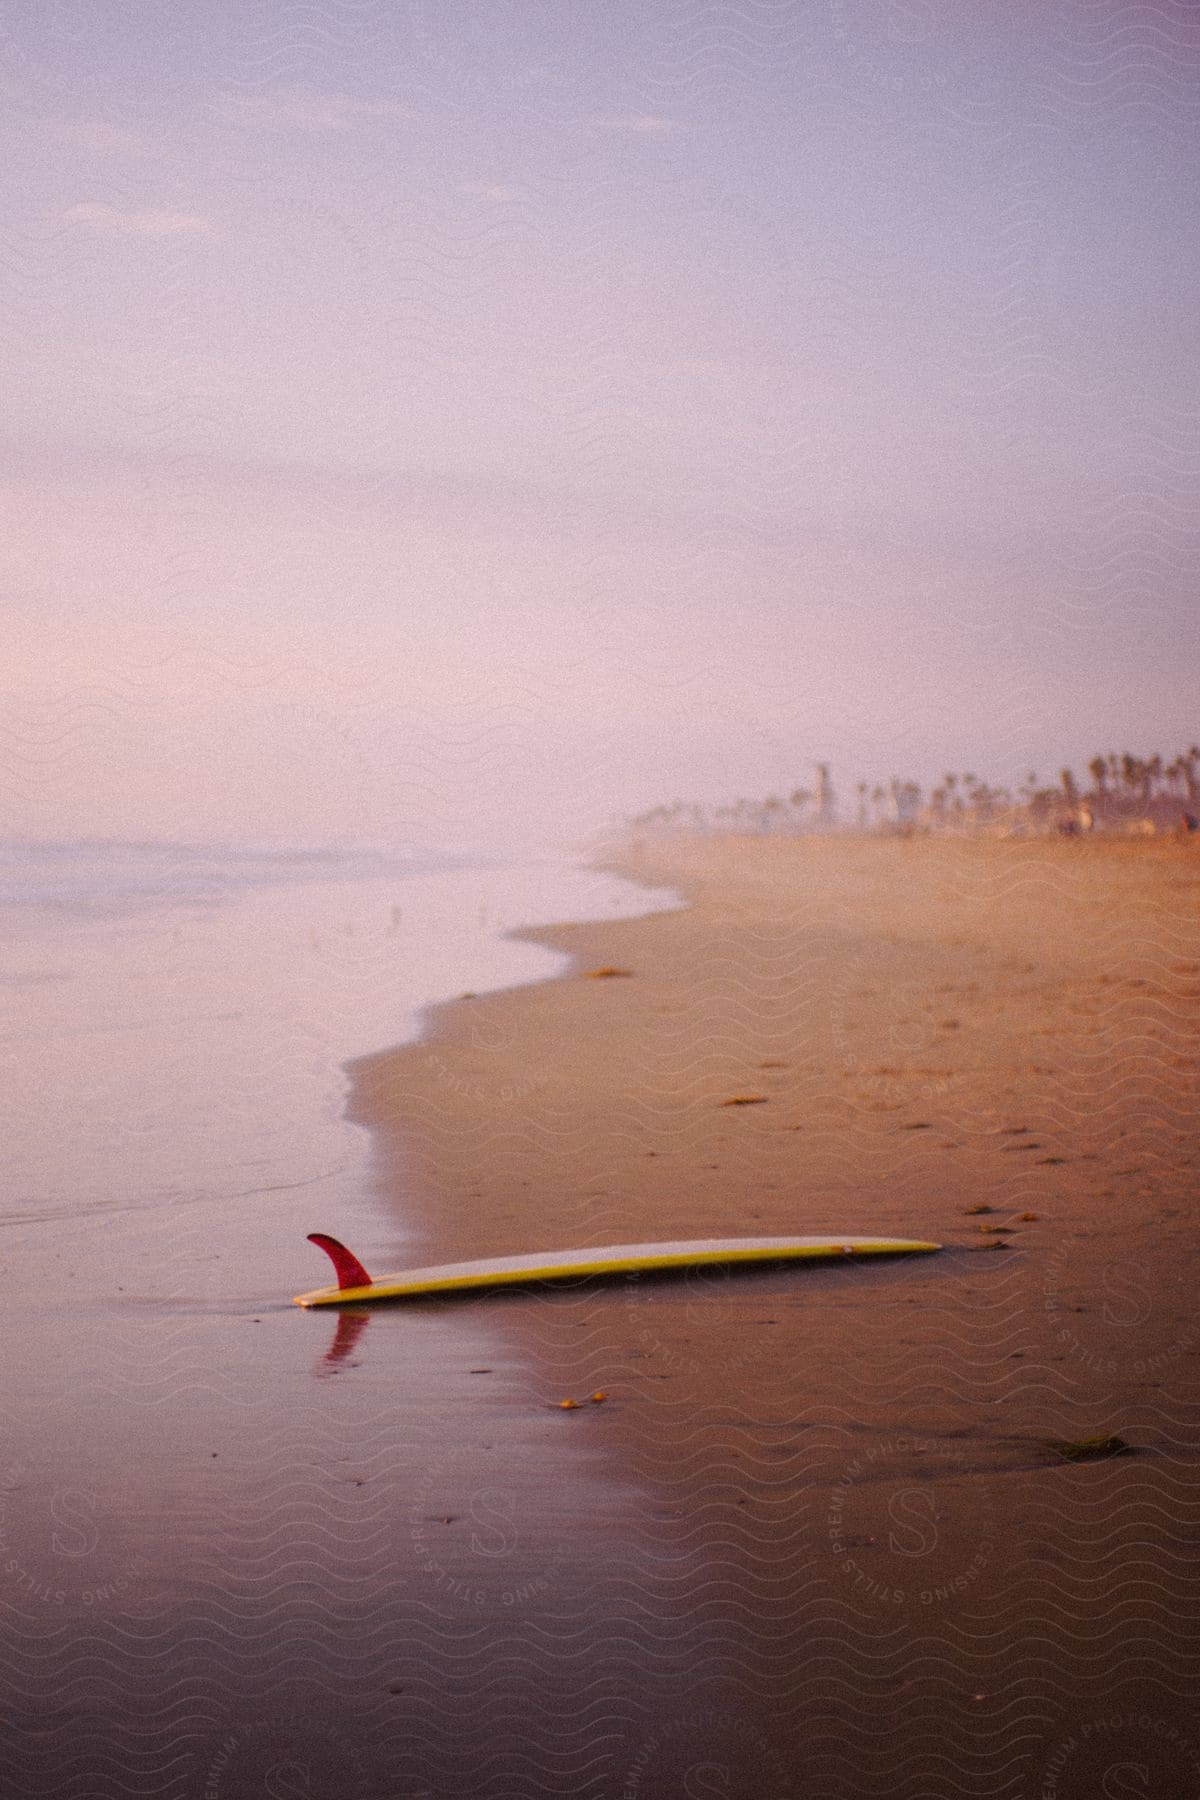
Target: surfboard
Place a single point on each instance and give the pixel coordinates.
(356, 1287)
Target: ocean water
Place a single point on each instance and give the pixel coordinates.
(176, 1017)
(211, 1553)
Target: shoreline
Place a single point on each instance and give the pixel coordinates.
(831, 1475)
(983, 909)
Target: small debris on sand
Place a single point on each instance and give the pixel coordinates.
(745, 1100)
(605, 974)
(1088, 1449)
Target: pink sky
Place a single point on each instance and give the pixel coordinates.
(483, 431)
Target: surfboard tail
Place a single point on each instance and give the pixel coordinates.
(350, 1272)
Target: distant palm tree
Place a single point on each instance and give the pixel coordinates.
(1151, 771)
(1189, 759)
(1098, 770)
(826, 804)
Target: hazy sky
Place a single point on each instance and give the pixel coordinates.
(428, 420)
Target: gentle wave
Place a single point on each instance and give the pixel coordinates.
(98, 874)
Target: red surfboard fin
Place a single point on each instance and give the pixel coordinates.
(350, 1272)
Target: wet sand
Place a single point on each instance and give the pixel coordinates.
(822, 1536)
(217, 1577)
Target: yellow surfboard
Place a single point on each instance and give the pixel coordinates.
(356, 1286)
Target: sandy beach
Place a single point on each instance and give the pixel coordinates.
(838, 1531)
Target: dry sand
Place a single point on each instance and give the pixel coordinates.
(840, 1554)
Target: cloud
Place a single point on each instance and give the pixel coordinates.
(293, 109)
(644, 124)
(98, 138)
(143, 223)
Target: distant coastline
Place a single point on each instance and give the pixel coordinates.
(1135, 795)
